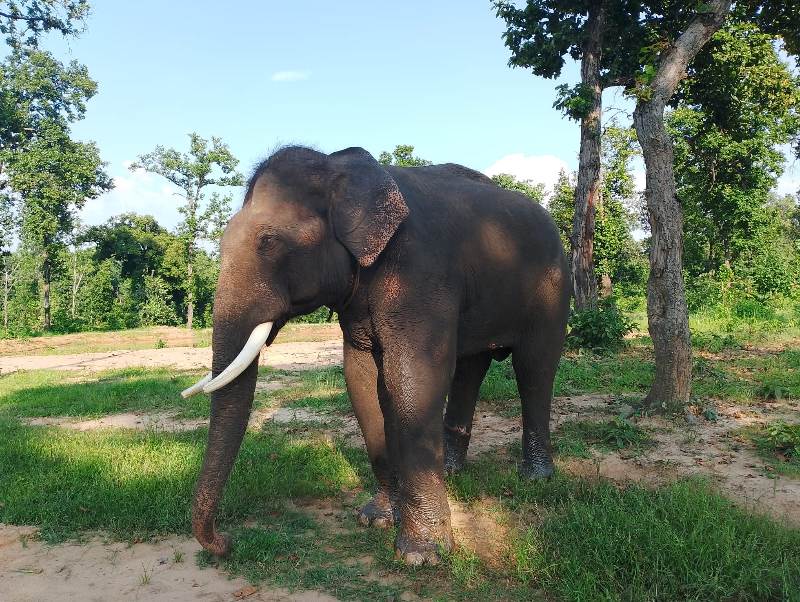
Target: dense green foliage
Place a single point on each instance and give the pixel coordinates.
(203, 218)
(617, 256)
(402, 156)
(602, 328)
(527, 187)
(126, 273)
(729, 125)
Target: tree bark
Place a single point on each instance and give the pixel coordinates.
(587, 190)
(46, 275)
(667, 314)
(189, 294)
(6, 292)
(77, 279)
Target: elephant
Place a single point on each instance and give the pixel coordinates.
(433, 271)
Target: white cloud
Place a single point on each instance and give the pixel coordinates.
(290, 76)
(134, 191)
(540, 169)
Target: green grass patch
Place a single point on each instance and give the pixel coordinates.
(294, 551)
(778, 443)
(745, 377)
(134, 484)
(69, 393)
(322, 389)
(576, 438)
(589, 539)
(680, 542)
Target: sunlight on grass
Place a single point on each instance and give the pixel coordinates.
(71, 393)
(139, 484)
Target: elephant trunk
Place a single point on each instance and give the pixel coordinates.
(230, 411)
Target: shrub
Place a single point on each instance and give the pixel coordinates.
(784, 438)
(318, 316)
(600, 329)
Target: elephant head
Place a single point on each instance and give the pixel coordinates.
(307, 218)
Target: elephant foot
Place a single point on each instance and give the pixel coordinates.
(417, 551)
(537, 462)
(535, 472)
(378, 512)
(456, 443)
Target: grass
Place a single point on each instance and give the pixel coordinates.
(139, 484)
(588, 539)
(321, 389)
(89, 342)
(680, 542)
(568, 538)
(778, 443)
(577, 437)
(77, 394)
(742, 378)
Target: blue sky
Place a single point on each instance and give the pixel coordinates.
(327, 74)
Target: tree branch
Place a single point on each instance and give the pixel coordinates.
(675, 61)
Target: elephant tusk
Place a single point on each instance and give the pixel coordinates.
(246, 356)
(197, 387)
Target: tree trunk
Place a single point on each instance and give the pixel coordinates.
(77, 279)
(587, 190)
(46, 275)
(189, 294)
(6, 291)
(667, 314)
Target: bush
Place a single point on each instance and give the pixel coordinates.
(600, 329)
(318, 316)
(784, 438)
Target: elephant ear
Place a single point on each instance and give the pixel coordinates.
(367, 207)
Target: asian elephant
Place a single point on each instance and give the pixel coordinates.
(433, 271)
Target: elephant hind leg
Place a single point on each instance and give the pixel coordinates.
(464, 390)
(535, 363)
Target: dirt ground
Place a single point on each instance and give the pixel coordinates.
(149, 338)
(100, 570)
(283, 356)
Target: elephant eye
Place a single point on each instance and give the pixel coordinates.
(267, 243)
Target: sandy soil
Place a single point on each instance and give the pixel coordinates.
(148, 338)
(283, 356)
(96, 570)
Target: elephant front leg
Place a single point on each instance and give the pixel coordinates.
(415, 388)
(361, 376)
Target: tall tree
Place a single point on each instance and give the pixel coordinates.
(540, 36)
(732, 117)
(54, 176)
(24, 21)
(648, 47)
(402, 156)
(193, 172)
(667, 313)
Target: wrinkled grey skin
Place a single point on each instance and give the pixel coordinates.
(434, 271)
